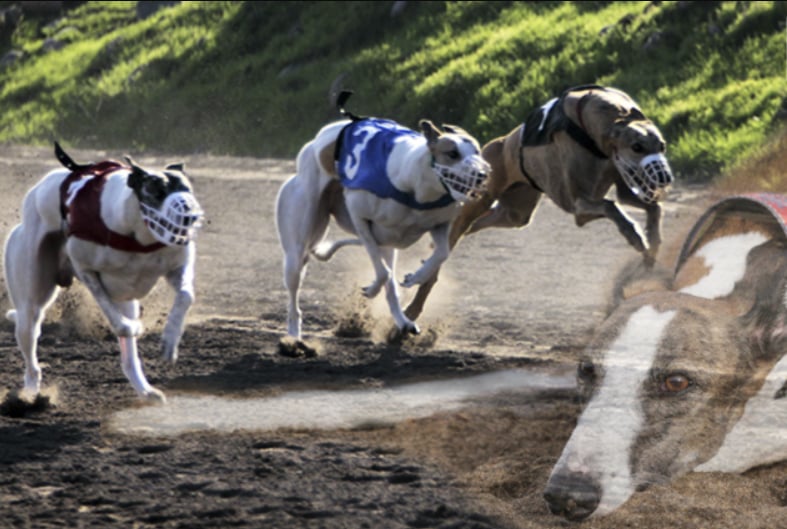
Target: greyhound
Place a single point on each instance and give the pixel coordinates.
(573, 149)
(118, 229)
(688, 372)
(384, 183)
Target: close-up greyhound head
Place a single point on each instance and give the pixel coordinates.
(678, 362)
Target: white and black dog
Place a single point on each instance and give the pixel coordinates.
(384, 183)
(118, 229)
(687, 373)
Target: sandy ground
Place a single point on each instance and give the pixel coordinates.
(506, 299)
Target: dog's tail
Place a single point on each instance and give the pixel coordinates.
(66, 160)
(341, 99)
(325, 249)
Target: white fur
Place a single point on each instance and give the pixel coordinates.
(116, 279)
(381, 225)
(760, 435)
(726, 258)
(601, 442)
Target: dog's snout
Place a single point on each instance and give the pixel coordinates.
(574, 496)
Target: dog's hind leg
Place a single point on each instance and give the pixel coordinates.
(31, 271)
(302, 220)
(129, 357)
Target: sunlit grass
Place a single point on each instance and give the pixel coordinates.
(253, 78)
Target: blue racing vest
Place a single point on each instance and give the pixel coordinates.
(362, 153)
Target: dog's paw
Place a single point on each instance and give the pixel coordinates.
(169, 347)
(294, 348)
(408, 281)
(154, 396)
(169, 351)
(372, 290)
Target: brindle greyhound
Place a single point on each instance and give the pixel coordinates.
(574, 150)
(688, 372)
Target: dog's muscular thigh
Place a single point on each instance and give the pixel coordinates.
(326, 157)
(54, 265)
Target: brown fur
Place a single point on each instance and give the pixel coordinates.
(566, 172)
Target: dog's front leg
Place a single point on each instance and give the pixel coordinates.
(381, 271)
(403, 323)
(431, 266)
(606, 208)
(129, 358)
(182, 281)
(122, 325)
(652, 232)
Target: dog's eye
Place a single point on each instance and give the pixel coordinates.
(675, 383)
(454, 154)
(637, 148)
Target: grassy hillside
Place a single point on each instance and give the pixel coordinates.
(253, 78)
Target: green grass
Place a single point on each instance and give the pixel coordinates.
(253, 78)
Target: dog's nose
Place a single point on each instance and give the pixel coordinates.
(572, 495)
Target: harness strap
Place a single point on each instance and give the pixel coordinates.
(522, 160)
(82, 216)
(578, 134)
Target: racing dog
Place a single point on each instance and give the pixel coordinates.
(574, 149)
(688, 372)
(118, 229)
(384, 183)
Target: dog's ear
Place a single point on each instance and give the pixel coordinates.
(454, 129)
(180, 167)
(136, 178)
(763, 291)
(431, 133)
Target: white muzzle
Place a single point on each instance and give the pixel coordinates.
(176, 222)
(465, 179)
(647, 178)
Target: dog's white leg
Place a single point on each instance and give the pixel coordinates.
(30, 275)
(182, 281)
(301, 221)
(121, 324)
(382, 272)
(28, 329)
(129, 358)
(403, 323)
(430, 267)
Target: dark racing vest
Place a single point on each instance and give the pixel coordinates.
(80, 208)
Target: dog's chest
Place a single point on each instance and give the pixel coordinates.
(125, 275)
(394, 224)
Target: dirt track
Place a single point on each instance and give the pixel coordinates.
(506, 299)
